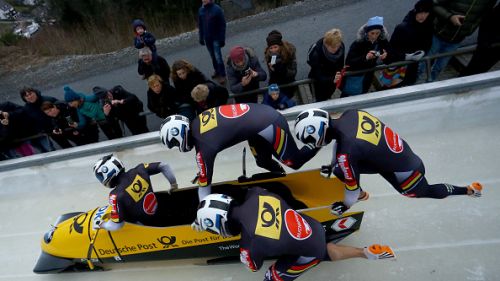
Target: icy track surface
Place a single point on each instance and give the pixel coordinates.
(452, 239)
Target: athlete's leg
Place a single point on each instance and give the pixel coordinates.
(289, 268)
(414, 184)
(263, 152)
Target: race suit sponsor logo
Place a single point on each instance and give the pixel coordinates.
(202, 170)
(349, 180)
(247, 260)
(269, 217)
(394, 142)
(138, 188)
(115, 217)
(150, 204)
(343, 224)
(208, 120)
(234, 110)
(296, 225)
(369, 128)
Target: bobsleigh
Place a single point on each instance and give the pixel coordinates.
(72, 244)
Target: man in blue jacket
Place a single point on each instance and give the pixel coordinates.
(212, 31)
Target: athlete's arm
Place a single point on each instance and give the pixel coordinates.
(169, 175)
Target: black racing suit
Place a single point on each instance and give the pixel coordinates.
(368, 146)
(265, 129)
(270, 228)
(133, 199)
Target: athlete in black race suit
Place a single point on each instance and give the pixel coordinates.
(132, 198)
(365, 145)
(270, 228)
(265, 129)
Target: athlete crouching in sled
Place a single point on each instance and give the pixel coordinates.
(270, 228)
(365, 145)
(132, 198)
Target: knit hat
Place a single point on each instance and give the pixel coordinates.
(274, 38)
(237, 53)
(374, 23)
(423, 6)
(70, 95)
(273, 88)
(100, 92)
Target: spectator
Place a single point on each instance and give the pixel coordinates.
(212, 34)
(208, 95)
(369, 49)
(244, 73)
(64, 124)
(326, 58)
(276, 99)
(15, 125)
(281, 61)
(89, 109)
(148, 65)
(123, 105)
(162, 98)
(410, 40)
(485, 56)
(41, 123)
(185, 77)
(143, 38)
(454, 21)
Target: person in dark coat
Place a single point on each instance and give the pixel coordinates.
(64, 123)
(185, 77)
(281, 61)
(208, 95)
(33, 100)
(149, 65)
(123, 105)
(15, 125)
(244, 73)
(212, 34)
(412, 38)
(143, 38)
(326, 58)
(485, 56)
(162, 98)
(276, 99)
(368, 50)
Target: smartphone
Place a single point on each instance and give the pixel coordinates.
(69, 120)
(248, 72)
(273, 59)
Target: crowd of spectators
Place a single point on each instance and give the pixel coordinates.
(432, 26)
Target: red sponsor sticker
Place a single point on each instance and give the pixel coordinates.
(296, 225)
(247, 260)
(234, 110)
(394, 142)
(150, 204)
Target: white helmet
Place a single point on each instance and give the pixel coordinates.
(107, 168)
(311, 125)
(174, 131)
(212, 214)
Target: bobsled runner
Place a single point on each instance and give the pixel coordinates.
(72, 244)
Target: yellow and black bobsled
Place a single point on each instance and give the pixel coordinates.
(73, 244)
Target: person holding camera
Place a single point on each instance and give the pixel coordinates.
(370, 49)
(244, 73)
(64, 125)
(124, 106)
(281, 61)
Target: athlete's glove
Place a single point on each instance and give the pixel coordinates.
(196, 226)
(338, 208)
(326, 171)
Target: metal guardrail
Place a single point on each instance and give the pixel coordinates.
(451, 86)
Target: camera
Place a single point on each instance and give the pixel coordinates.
(69, 120)
(248, 72)
(376, 54)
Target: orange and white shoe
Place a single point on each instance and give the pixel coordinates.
(475, 189)
(378, 252)
(363, 196)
